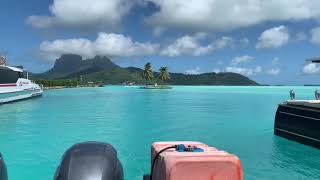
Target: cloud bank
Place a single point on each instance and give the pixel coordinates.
(229, 14)
(274, 71)
(241, 60)
(118, 45)
(191, 45)
(273, 38)
(83, 14)
(315, 35)
(111, 45)
(311, 68)
(244, 71)
(203, 15)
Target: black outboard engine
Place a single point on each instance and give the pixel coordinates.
(90, 161)
(3, 169)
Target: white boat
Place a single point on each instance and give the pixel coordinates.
(15, 85)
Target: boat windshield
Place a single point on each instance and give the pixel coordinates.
(8, 76)
(313, 60)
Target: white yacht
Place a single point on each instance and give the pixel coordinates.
(15, 85)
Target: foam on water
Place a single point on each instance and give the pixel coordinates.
(35, 133)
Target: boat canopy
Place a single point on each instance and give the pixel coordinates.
(10, 75)
(314, 60)
(11, 68)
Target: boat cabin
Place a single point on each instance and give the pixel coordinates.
(10, 75)
(313, 60)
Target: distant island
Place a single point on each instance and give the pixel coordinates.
(71, 69)
(311, 85)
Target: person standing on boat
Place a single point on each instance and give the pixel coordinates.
(317, 94)
(292, 95)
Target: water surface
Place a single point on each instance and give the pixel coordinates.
(35, 133)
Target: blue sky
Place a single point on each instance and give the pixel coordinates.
(267, 41)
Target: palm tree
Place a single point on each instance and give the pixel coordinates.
(164, 74)
(147, 73)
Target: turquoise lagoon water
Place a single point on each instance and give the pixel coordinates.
(35, 133)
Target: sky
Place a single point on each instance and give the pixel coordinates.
(265, 40)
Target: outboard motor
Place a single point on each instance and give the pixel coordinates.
(90, 161)
(292, 95)
(317, 94)
(3, 169)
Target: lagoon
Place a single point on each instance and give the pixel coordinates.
(35, 133)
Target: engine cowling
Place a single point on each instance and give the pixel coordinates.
(3, 169)
(90, 161)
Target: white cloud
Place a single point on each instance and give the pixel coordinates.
(158, 31)
(229, 14)
(244, 42)
(315, 35)
(273, 38)
(216, 70)
(301, 36)
(112, 45)
(274, 71)
(220, 63)
(275, 61)
(118, 45)
(191, 45)
(311, 68)
(185, 45)
(244, 71)
(83, 13)
(241, 59)
(193, 71)
(222, 42)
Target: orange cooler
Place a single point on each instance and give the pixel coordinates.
(209, 164)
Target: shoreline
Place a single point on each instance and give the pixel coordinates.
(65, 87)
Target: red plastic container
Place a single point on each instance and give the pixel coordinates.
(211, 164)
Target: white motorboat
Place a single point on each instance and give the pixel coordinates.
(15, 85)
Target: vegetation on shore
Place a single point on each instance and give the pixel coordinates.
(147, 73)
(101, 70)
(164, 74)
(58, 83)
(65, 83)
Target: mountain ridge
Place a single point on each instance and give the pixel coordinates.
(103, 70)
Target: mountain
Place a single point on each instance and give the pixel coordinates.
(102, 69)
(69, 65)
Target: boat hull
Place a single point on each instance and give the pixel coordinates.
(19, 95)
(298, 123)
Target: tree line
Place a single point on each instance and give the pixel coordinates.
(53, 83)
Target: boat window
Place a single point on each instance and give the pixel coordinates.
(21, 74)
(8, 76)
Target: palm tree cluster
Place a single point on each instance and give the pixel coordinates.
(148, 73)
(163, 75)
